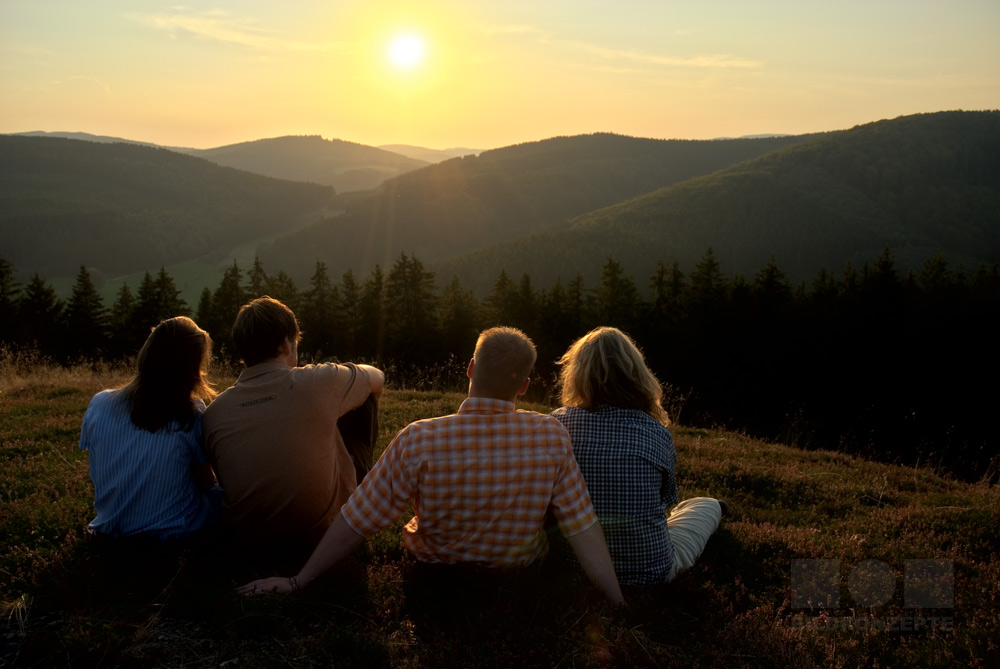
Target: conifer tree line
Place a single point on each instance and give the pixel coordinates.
(871, 360)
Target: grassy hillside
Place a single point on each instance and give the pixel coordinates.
(921, 185)
(754, 598)
(122, 208)
(466, 203)
(346, 166)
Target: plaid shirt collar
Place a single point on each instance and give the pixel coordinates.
(485, 405)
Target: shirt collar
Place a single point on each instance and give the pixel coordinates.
(485, 405)
(261, 369)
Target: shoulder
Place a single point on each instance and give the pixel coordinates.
(541, 424)
(107, 400)
(327, 372)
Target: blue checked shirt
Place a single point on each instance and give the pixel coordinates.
(142, 480)
(628, 461)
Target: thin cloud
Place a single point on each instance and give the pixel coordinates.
(511, 30)
(221, 26)
(716, 61)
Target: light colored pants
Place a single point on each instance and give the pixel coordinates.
(690, 524)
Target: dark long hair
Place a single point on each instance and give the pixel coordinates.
(172, 370)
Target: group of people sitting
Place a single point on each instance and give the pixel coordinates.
(292, 449)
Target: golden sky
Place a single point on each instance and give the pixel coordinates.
(486, 74)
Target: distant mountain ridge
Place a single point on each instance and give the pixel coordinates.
(123, 207)
(921, 185)
(466, 203)
(429, 155)
(347, 166)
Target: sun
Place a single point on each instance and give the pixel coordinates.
(407, 51)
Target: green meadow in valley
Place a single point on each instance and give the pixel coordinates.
(750, 601)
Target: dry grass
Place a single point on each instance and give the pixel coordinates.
(69, 601)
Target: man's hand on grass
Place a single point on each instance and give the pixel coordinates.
(276, 585)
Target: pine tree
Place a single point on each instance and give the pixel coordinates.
(282, 288)
(459, 316)
(126, 336)
(707, 286)
(617, 302)
(258, 280)
(410, 306)
(501, 303)
(350, 314)
(371, 316)
(86, 319)
(319, 315)
(171, 302)
(10, 291)
(226, 302)
(39, 317)
(525, 306)
(205, 314)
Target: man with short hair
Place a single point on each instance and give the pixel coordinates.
(481, 482)
(289, 444)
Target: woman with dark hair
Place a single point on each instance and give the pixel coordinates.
(147, 459)
(612, 408)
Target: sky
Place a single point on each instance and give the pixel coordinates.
(481, 75)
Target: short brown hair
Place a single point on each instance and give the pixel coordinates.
(503, 359)
(260, 328)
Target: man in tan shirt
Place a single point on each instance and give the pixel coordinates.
(289, 444)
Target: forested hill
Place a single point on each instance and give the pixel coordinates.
(921, 185)
(121, 207)
(344, 165)
(466, 203)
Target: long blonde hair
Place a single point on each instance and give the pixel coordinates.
(606, 367)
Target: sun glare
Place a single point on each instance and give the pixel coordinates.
(407, 52)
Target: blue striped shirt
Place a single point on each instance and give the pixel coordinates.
(143, 482)
(628, 461)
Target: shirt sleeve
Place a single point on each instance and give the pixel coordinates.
(570, 499)
(357, 386)
(198, 439)
(86, 424)
(385, 492)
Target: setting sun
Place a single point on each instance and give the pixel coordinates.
(407, 51)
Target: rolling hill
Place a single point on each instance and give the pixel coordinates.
(921, 185)
(346, 166)
(123, 207)
(429, 155)
(466, 203)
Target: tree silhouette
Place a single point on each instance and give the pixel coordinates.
(39, 316)
(125, 337)
(410, 306)
(10, 291)
(86, 319)
(318, 317)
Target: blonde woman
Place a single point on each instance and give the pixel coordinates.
(612, 409)
(147, 459)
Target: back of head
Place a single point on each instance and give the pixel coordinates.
(606, 367)
(260, 328)
(503, 358)
(172, 369)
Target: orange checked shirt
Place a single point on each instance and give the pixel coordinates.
(480, 481)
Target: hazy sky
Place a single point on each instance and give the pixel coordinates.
(492, 73)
